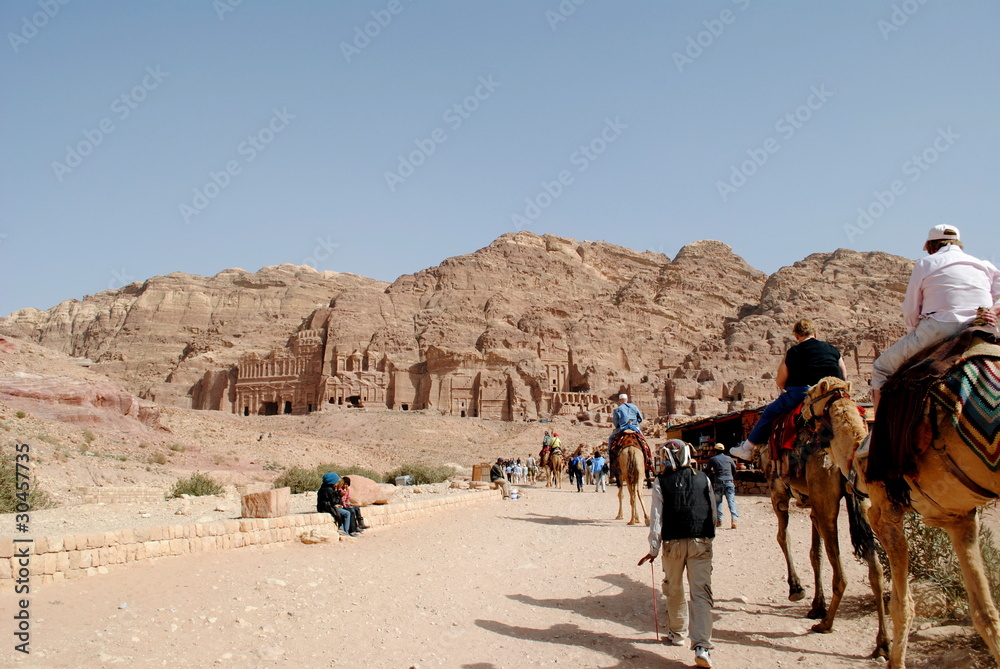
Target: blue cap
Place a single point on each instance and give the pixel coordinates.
(331, 478)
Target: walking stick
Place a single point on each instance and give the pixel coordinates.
(656, 616)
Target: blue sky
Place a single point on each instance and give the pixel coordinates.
(380, 137)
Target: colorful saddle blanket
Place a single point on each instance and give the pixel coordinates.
(959, 374)
(629, 438)
(785, 432)
(971, 395)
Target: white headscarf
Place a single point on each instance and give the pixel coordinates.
(676, 454)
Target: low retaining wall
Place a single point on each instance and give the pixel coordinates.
(77, 555)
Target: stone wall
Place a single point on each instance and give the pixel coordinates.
(77, 555)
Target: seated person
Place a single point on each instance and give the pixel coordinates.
(328, 500)
(358, 522)
(804, 365)
(499, 477)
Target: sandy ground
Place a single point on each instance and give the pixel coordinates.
(546, 580)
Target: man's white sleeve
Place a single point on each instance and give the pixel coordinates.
(656, 519)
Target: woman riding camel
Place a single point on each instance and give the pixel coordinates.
(804, 365)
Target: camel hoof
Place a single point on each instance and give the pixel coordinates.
(647, 522)
(796, 595)
(631, 522)
(816, 614)
(822, 628)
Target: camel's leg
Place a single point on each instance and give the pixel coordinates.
(621, 515)
(877, 579)
(887, 522)
(964, 535)
(642, 505)
(779, 501)
(824, 513)
(634, 517)
(817, 611)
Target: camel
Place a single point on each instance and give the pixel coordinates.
(553, 469)
(631, 470)
(950, 484)
(820, 486)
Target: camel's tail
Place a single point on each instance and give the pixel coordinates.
(862, 536)
(634, 471)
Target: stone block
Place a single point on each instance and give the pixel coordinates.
(6, 547)
(41, 545)
(268, 504)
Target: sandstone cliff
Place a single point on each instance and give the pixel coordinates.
(528, 326)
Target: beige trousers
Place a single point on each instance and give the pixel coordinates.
(695, 557)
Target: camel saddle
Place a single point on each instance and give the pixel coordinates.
(623, 439)
(791, 444)
(961, 376)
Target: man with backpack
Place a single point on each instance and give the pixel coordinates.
(599, 466)
(577, 465)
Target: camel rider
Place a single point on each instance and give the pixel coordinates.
(555, 446)
(805, 363)
(945, 289)
(626, 416)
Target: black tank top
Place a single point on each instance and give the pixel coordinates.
(810, 361)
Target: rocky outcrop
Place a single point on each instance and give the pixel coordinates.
(527, 327)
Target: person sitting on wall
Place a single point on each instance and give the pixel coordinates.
(345, 498)
(499, 477)
(328, 501)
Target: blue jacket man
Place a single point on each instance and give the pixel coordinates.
(626, 415)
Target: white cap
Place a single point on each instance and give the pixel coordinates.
(943, 231)
(623, 396)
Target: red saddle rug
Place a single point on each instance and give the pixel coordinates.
(784, 433)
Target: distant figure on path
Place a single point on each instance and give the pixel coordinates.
(721, 470)
(599, 467)
(681, 520)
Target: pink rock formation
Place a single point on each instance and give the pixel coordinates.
(365, 492)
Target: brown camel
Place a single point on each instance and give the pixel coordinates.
(950, 484)
(631, 467)
(554, 470)
(819, 485)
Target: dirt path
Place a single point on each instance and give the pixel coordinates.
(545, 580)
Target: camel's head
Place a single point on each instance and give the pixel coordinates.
(827, 390)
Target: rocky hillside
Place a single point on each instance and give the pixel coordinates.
(697, 334)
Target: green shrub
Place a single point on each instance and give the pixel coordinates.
(198, 484)
(35, 496)
(299, 479)
(932, 558)
(421, 473)
(178, 448)
(158, 459)
(20, 414)
(353, 470)
(89, 436)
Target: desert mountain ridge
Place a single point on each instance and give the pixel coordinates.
(527, 327)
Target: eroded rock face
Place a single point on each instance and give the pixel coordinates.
(527, 327)
(82, 402)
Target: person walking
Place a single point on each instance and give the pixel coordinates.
(680, 521)
(721, 470)
(597, 466)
